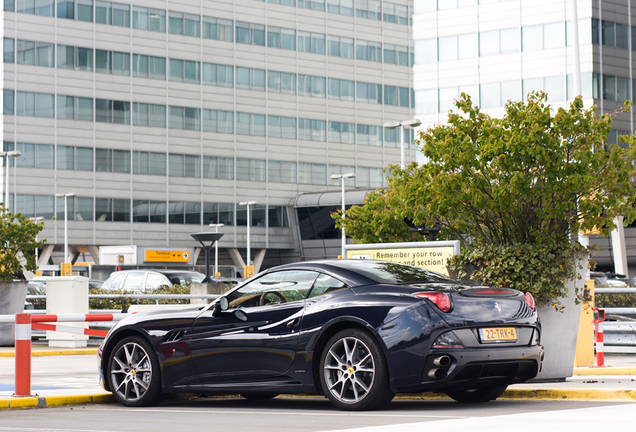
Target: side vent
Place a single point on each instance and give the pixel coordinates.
(173, 336)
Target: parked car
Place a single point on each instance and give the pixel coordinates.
(357, 331)
(610, 280)
(144, 281)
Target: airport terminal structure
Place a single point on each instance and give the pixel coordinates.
(158, 118)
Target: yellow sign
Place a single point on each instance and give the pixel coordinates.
(167, 256)
(217, 275)
(248, 271)
(66, 269)
(431, 258)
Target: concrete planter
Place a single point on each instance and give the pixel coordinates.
(559, 331)
(12, 297)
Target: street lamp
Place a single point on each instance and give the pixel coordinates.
(342, 177)
(36, 220)
(207, 237)
(216, 247)
(249, 222)
(5, 155)
(65, 195)
(396, 124)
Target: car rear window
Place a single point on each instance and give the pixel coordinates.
(394, 273)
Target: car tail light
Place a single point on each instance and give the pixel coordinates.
(529, 300)
(448, 340)
(440, 299)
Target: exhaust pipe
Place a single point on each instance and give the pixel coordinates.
(442, 361)
(437, 373)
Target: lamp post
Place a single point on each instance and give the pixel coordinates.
(5, 155)
(342, 177)
(216, 247)
(249, 222)
(207, 237)
(396, 124)
(36, 220)
(66, 196)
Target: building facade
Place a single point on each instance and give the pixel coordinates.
(162, 116)
(500, 50)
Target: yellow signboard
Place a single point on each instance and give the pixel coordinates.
(249, 271)
(167, 256)
(429, 257)
(66, 269)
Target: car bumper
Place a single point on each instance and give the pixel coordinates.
(470, 368)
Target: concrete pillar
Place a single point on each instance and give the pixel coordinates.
(67, 295)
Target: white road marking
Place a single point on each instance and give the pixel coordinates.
(615, 418)
(212, 411)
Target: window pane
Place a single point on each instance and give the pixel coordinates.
(65, 157)
(84, 158)
(65, 107)
(84, 109)
(553, 35)
(121, 161)
(121, 63)
(447, 49)
(509, 39)
(176, 165)
(425, 51)
(532, 37)
(555, 88)
(489, 43)
(44, 105)
(176, 118)
(490, 95)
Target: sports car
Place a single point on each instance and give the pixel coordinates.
(356, 331)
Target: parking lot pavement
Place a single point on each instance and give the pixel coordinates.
(69, 377)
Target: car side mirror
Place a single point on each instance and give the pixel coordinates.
(220, 306)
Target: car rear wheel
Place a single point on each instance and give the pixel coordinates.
(133, 371)
(479, 394)
(354, 373)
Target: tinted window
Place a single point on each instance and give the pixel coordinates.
(185, 278)
(326, 284)
(273, 288)
(394, 273)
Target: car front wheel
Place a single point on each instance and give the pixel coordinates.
(133, 371)
(354, 373)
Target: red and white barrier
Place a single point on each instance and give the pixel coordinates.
(598, 331)
(24, 322)
(22, 354)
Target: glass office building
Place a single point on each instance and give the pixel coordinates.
(161, 116)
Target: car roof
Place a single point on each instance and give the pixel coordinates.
(343, 269)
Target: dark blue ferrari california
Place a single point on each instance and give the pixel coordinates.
(356, 331)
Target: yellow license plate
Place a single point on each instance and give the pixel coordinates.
(498, 334)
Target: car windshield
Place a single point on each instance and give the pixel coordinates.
(395, 273)
(185, 278)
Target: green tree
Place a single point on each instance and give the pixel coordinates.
(512, 190)
(17, 244)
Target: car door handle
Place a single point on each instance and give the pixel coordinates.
(293, 323)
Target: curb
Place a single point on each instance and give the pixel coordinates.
(510, 394)
(52, 401)
(606, 370)
(42, 353)
(545, 394)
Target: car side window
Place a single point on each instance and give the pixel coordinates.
(273, 288)
(155, 281)
(325, 284)
(134, 281)
(116, 283)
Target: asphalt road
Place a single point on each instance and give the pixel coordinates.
(316, 414)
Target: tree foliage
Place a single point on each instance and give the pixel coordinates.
(17, 244)
(534, 177)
